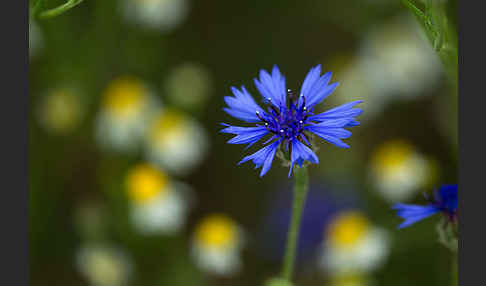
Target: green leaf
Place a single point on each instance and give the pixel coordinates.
(440, 30)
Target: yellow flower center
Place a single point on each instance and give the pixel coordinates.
(124, 96)
(392, 156)
(216, 231)
(167, 125)
(145, 182)
(347, 229)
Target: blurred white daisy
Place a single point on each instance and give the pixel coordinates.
(217, 244)
(127, 108)
(189, 86)
(164, 15)
(353, 245)
(399, 171)
(176, 142)
(158, 205)
(104, 265)
(354, 84)
(61, 110)
(399, 60)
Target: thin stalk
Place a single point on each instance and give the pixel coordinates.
(454, 270)
(60, 9)
(300, 193)
(34, 9)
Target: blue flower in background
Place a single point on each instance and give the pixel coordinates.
(320, 208)
(445, 201)
(288, 120)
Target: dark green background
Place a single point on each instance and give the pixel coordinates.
(91, 44)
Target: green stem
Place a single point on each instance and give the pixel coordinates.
(300, 192)
(60, 9)
(454, 270)
(34, 9)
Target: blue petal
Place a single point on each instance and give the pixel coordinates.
(315, 87)
(245, 135)
(237, 130)
(332, 131)
(414, 213)
(448, 198)
(310, 79)
(242, 106)
(340, 133)
(268, 161)
(249, 137)
(333, 123)
(343, 111)
(331, 139)
(300, 153)
(320, 93)
(352, 123)
(263, 157)
(272, 86)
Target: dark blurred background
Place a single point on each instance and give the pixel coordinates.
(102, 73)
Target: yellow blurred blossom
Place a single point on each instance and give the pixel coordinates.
(353, 245)
(398, 170)
(145, 182)
(176, 142)
(216, 231)
(124, 96)
(128, 105)
(347, 229)
(216, 245)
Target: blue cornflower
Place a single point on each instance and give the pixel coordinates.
(287, 119)
(445, 201)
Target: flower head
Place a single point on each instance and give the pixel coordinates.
(399, 170)
(288, 120)
(353, 245)
(158, 205)
(217, 243)
(104, 265)
(162, 15)
(127, 107)
(176, 141)
(444, 201)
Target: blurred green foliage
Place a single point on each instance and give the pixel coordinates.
(439, 20)
(92, 44)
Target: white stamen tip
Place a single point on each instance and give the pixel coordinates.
(301, 122)
(281, 130)
(305, 108)
(257, 111)
(269, 99)
(301, 95)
